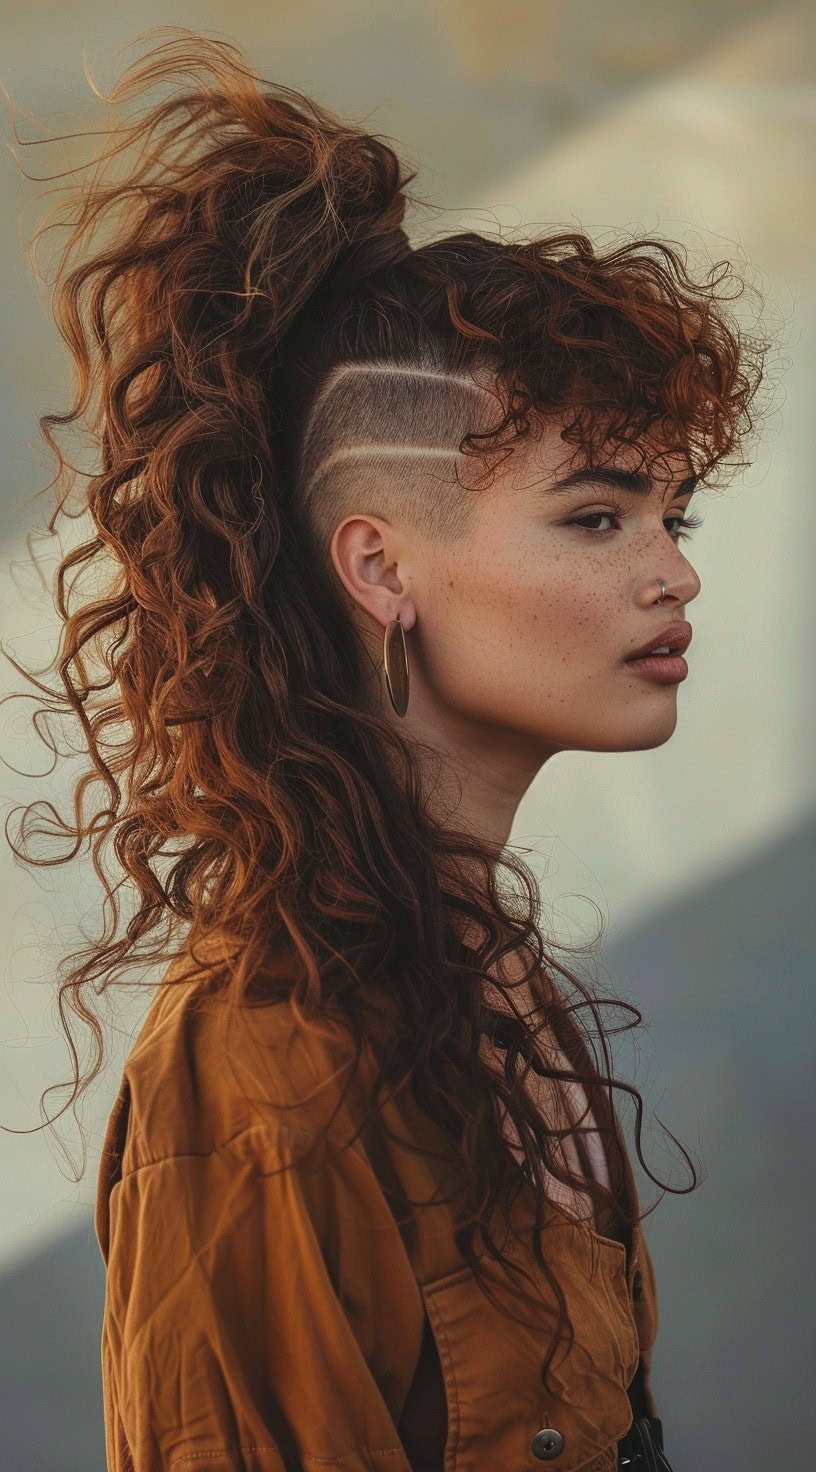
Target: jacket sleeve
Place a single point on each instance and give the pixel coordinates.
(251, 1319)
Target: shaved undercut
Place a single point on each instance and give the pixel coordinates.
(383, 437)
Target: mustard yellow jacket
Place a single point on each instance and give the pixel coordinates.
(271, 1320)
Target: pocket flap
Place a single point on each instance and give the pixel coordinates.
(497, 1401)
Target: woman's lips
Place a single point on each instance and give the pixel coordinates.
(666, 669)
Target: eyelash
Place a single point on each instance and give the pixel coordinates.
(686, 524)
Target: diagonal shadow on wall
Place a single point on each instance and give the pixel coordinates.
(725, 981)
(50, 1378)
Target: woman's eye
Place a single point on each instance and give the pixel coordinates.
(685, 525)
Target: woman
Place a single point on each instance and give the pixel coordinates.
(389, 527)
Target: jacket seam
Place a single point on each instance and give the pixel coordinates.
(223, 1452)
(366, 1451)
(389, 1451)
(273, 1136)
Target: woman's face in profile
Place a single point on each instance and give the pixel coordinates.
(522, 629)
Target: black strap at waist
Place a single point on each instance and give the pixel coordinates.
(641, 1449)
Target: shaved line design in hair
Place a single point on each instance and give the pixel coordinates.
(361, 452)
(369, 435)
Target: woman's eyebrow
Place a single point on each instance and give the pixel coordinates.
(634, 481)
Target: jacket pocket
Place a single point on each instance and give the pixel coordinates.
(496, 1399)
(610, 1273)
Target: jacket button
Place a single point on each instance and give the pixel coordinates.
(637, 1285)
(547, 1444)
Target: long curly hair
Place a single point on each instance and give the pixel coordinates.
(230, 246)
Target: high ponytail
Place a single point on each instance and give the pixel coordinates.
(258, 348)
(241, 202)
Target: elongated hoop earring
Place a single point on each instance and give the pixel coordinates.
(395, 662)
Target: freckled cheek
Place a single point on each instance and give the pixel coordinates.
(534, 603)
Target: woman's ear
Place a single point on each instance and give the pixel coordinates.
(370, 563)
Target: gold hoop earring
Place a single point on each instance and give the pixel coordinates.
(395, 663)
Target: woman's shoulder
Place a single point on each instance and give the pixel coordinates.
(204, 1068)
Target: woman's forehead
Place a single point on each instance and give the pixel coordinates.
(646, 467)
